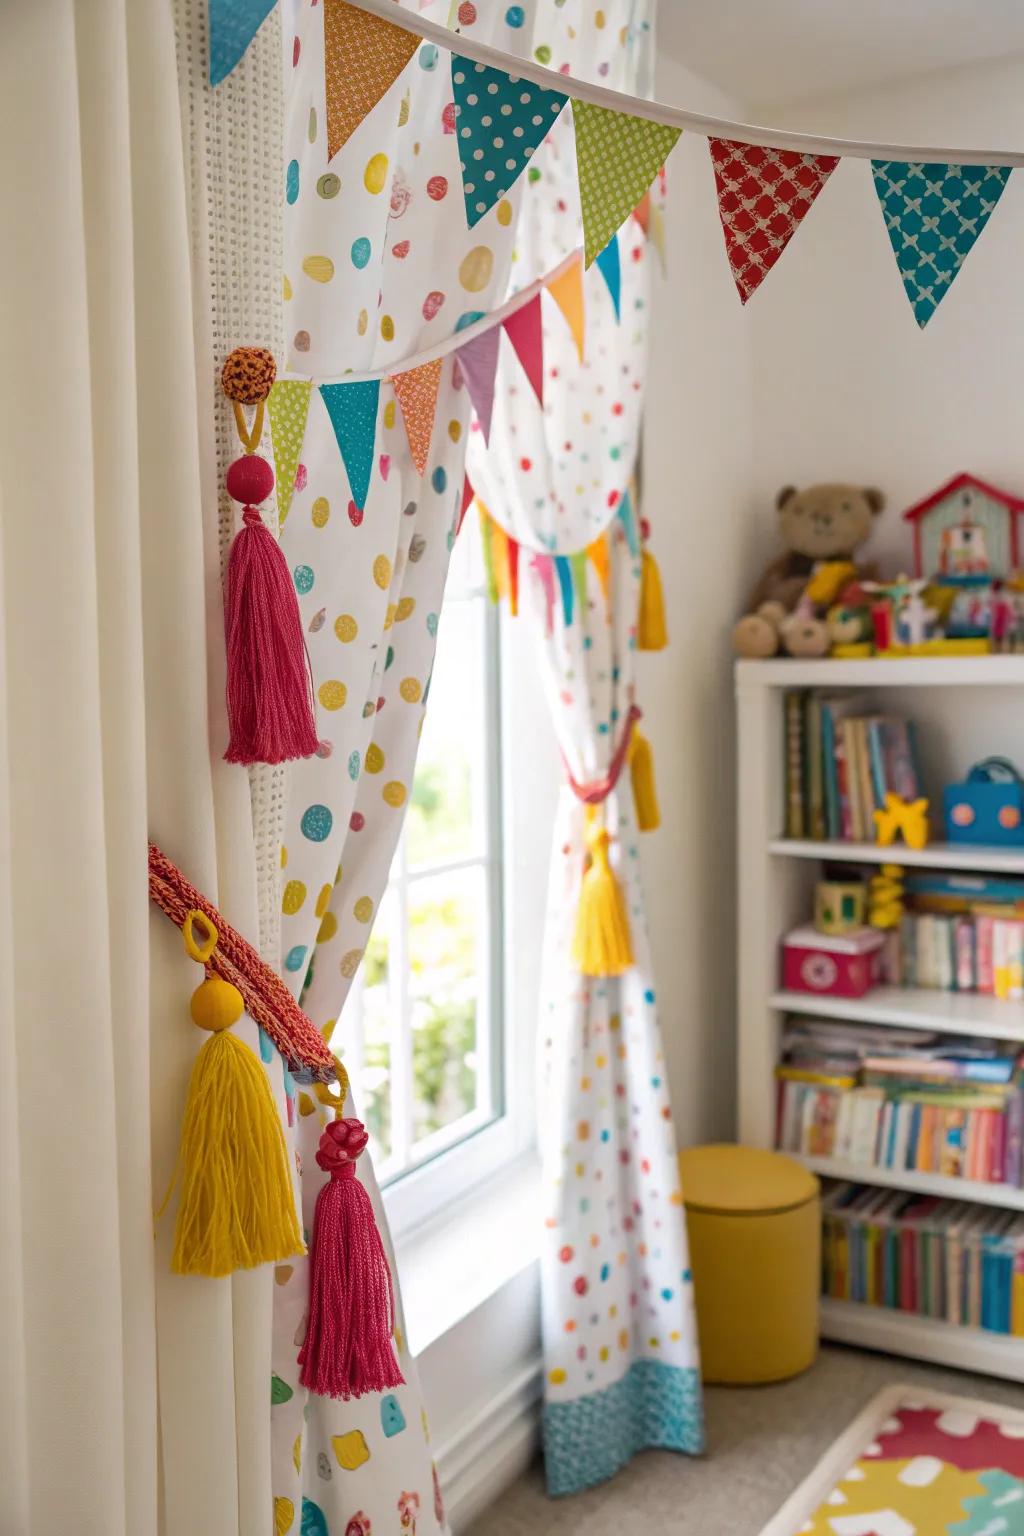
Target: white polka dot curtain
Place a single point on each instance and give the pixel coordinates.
(380, 264)
(621, 1369)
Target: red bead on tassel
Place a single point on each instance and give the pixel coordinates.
(270, 686)
(348, 1348)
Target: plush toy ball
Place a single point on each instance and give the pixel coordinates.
(249, 479)
(248, 374)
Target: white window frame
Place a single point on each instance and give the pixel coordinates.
(456, 1159)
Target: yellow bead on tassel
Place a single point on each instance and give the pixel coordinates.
(645, 794)
(601, 944)
(237, 1207)
(651, 630)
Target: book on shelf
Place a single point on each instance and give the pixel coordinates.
(916, 1104)
(936, 1258)
(841, 761)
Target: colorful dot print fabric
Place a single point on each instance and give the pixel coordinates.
(379, 265)
(555, 477)
(499, 122)
(933, 215)
(621, 1367)
(620, 1345)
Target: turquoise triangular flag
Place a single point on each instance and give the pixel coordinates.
(565, 583)
(233, 25)
(611, 271)
(499, 120)
(628, 521)
(353, 412)
(933, 215)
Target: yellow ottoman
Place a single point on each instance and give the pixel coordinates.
(755, 1243)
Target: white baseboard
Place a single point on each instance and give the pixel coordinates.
(490, 1447)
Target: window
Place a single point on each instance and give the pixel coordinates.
(426, 1012)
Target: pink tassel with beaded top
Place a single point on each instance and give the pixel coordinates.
(348, 1348)
(270, 686)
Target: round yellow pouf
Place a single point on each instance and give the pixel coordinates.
(754, 1225)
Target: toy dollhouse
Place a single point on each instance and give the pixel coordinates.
(966, 529)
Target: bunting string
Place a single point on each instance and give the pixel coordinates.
(676, 117)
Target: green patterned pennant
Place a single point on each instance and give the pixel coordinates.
(287, 407)
(617, 157)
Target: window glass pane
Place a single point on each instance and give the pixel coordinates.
(446, 810)
(378, 998)
(447, 995)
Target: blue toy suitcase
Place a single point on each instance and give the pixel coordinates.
(988, 807)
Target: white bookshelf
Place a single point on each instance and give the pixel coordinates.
(964, 708)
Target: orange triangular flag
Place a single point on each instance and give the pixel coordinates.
(499, 547)
(363, 56)
(642, 211)
(567, 292)
(598, 553)
(416, 393)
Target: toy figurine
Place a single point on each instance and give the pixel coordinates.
(909, 817)
(885, 897)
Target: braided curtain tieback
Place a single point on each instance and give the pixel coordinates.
(596, 791)
(267, 1000)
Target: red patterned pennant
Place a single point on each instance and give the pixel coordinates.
(763, 194)
(417, 395)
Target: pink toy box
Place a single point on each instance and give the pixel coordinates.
(843, 965)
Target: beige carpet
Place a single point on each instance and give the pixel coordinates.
(762, 1441)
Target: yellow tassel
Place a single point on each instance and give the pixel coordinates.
(237, 1207)
(641, 772)
(652, 634)
(601, 944)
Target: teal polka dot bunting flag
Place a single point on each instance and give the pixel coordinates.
(353, 412)
(500, 120)
(933, 215)
(233, 25)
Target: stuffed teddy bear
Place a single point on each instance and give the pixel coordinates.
(822, 527)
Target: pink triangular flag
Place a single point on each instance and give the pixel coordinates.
(523, 330)
(478, 360)
(416, 393)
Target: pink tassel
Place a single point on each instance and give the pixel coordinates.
(348, 1348)
(270, 686)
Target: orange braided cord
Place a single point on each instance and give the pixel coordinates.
(267, 999)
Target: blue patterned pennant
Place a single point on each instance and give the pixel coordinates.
(564, 571)
(233, 25)
(353, 412)
(611, 271)
(933, 215)
(500, 120)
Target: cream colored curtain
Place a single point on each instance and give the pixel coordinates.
(109, 726)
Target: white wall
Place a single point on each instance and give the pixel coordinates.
(696, 492)
(845, 384)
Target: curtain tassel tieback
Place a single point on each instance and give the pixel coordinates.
(645, 793)
(601, 943)
(348, 1348)
(271, 712)
(651, 629)
(267, 1000)
(237, 1206)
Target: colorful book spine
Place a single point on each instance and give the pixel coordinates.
(794, 765)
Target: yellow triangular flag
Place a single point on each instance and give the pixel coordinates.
(567, 292)
(363, 57)
(287, 407)
(416, 392)
(617, 157)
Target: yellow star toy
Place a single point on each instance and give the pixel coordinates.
(909, 817)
